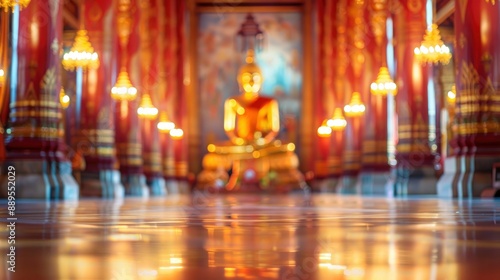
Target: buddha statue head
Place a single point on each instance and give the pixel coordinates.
(250, 77)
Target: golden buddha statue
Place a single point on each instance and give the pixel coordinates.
(252, 156)
(250, 118)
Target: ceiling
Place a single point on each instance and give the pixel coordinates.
(442, 5)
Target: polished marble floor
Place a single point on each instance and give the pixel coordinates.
(304, 237)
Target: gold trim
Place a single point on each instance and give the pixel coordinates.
(41, 114)
(411, 127)
(38, 103)
(99, 132)
(475, 108)
(249, 9)
(476, 128)
(43, 132)
(105, 151)
(408, 148)
(130, 161)
(413, 135)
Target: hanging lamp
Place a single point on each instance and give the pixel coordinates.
(337, 122)
(146, 108)
(12, 4)
(82, 54)
(384, 84)
(355, 108)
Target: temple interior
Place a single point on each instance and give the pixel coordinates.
(250, 139)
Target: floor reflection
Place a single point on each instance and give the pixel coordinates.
(206, 236)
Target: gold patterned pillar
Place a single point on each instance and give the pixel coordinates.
(4, 81)
(322, 47)
(415, 172)
(128, 137)
(341, 87)
(181, 157)
(329, 149)
(94, 135)
(358, 82)
(476, 125)
(375, 169)
(34, 139)
(174, 150)
(150, 53)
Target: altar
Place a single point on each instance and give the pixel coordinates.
(253, 160)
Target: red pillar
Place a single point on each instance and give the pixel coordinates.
(94, 134)
(168, 95)
(357, 55)
(375, 167)
(341, 88)
(128, 137)
(321, 147)
(33, 140)
(174, 151)
(476, 126)
(4, 82)
(150, 54)
(181, 152)
(415, 173)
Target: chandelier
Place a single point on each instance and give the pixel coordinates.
(250, 36)
(11, 4)
(176, 133)
(432, 49)
(165, 125)
(64, 99)
(337, 122)
(146, 109)
(383, 85)
(324, 130)
(452, 95)
(355, 108)
(82, 53)
(2, 77)
(123, 89)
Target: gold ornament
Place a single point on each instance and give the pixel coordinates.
(82, 53)
(11, 4)
(432, 49)
(383, 85)
(355, 108)
(146, 109)
(123, 89)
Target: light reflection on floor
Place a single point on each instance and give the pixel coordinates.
(256, 237)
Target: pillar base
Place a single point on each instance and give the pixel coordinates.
(327, 185)
(376, 183)
(104, 184)
(419, 181)
(41, 179)
(135, 185)
(157, 186)
(175, 186)
(349, 185)
(466, 176)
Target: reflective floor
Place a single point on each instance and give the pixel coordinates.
(295, 237)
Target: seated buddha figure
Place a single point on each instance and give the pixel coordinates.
(250, 118)
(252, 157)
